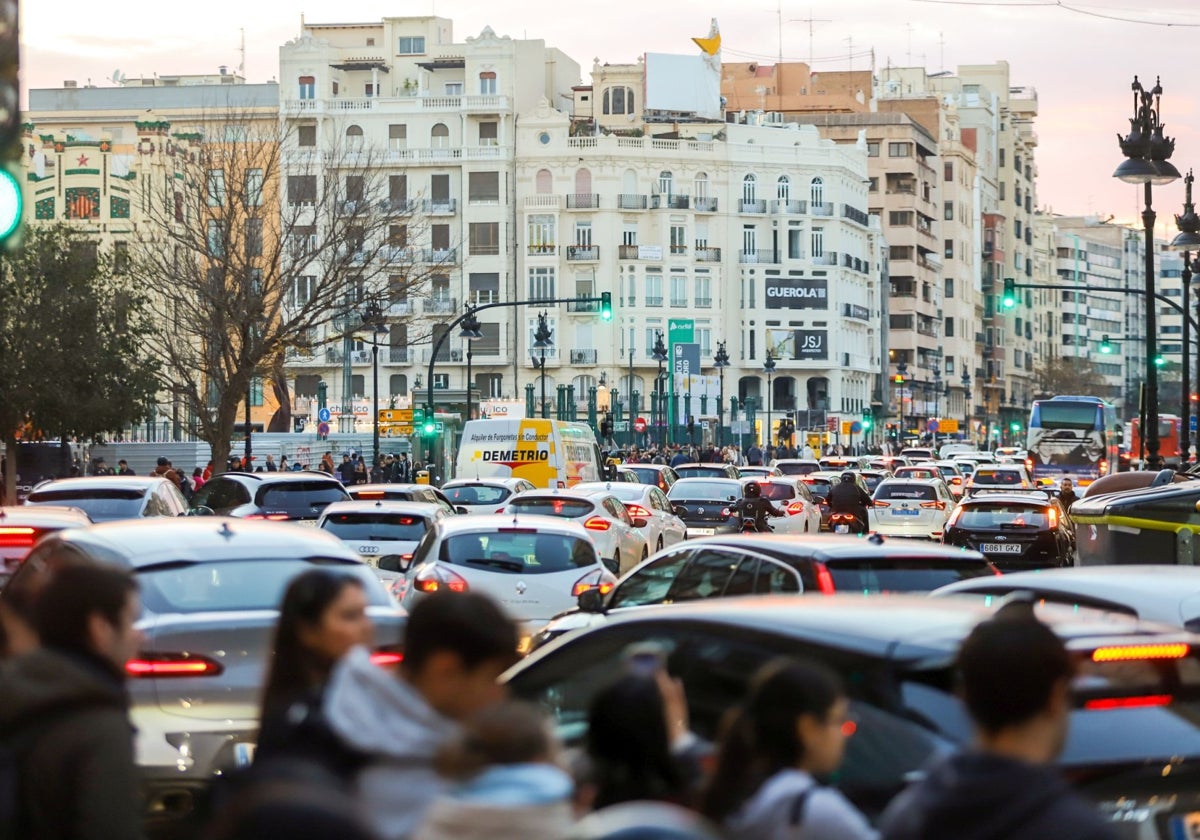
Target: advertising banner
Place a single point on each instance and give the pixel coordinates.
(797, 293)
(812, 345)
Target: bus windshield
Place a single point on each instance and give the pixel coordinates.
(1064, 415)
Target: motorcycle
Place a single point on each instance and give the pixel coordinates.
(846, 523)
(750, 526)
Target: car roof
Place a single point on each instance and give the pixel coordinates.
(642, 466)
(821, 547)
(382, 506)
(779, 461)
(717, 464)
(1029, 497)
(594, 487)
(101, 482)
(285, 477)
(555, 494)
(902, 479)
(491, 523)
(507, 483)
(1138, 586)
(831, 475)
(203, 539)
(1000, 467)
(43, 514)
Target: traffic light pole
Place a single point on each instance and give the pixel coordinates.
(1125, 290)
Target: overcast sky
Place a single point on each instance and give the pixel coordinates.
(1081, 62)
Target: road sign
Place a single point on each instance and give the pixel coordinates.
(323, 427)
(740, 427)
(396, 430)
(324, 415)
(831, 425)
(639, 425)
(947, 426)
(396, 415)
(932, 426)
(621, 426)
(856, 427)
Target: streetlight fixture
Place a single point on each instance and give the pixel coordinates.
(1147, 152)
(937, 398)
(769, 367)
(471, 331)
(966, 383)
(1187, 240)
(543, 337)
(374, 320)
(658, 354)
(720, 362)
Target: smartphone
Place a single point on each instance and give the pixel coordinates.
(646, 659)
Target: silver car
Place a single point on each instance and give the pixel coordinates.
(112, 497)
(484, 495)
(210, 588)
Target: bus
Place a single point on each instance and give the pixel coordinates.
(1070, 436)
(1168, 440)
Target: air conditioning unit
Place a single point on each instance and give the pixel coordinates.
(361, 357)
(456, 355)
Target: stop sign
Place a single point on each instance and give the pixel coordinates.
(639, 425)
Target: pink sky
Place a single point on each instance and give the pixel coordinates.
(1080, 63)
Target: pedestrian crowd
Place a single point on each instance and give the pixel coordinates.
(436, 750)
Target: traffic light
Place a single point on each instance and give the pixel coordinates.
(606, 313)
(429, 425)
(1159, 361)
(11, 200)
(606, 428)
(1014, 426)
(1105, 345)
(899, 379)
(1009, 300)
(866, 421)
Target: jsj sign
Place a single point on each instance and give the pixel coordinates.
(797, 293)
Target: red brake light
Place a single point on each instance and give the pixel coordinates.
(172, 665)
(369, 494)
(386, 658)
(938, 505)
(795, 507)
(637, 510)
(824, 580)
(435, 578)
(881, 504)
(1052, 515)
(849, 728)
(597, 523)
(1146, 700)
(17, 537)
(1125, 653)
(274, 517)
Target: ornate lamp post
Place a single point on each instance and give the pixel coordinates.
(658, 354)
(720, 362)
(543, 337)
(966, 384)
(937, 397)
(471, 331)
(1147, 152)
(373, 319)
(769, 367)
(1187, 240)
(901, 376)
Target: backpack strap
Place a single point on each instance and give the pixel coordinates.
(796, 811)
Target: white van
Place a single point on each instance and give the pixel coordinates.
(547, 453)
(947, 450)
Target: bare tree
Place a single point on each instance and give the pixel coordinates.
(1063, 375)
(262, 241)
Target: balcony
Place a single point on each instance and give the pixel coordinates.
(440, 206)
(484, 103)
(678, 250)
(300, 356)
(822, 209)
(679, 303)
(440, 305)
(654, 300)
(399, 307)
(543, 250)
(583, 253)
(855, 215)
(440, 155)
(483, 250)
(586, 306)
(752, 206)
(398, 254)
(627, 252)
(704, 303)
(551, 356)
(583, 357)
(704, 204)
(583, 201)
(827, 258)
(631, 201)
(670, 202)
(398, 207)
(789, 208)
(543, 201)
(440, 256)
(758, 256)
(708, 254)
(445, 354)
(399, 355)
(360, 357)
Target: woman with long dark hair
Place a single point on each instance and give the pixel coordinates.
(323, 616)
(790, 728)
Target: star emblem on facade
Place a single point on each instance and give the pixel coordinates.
(83, 160)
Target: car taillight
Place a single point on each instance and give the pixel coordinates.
(881, 504)
(274, 517)
(12, 536)
(435, 579)
(1126, 653)
(162, 665)
(597, 523)
(637, 510)
(369, 494)
(604, 581)
(795, 508)
(931, 505)
(1052, 515)
(1139, 702)
(824, 579)
(1103, 466)
(956, 480)
(386, 658)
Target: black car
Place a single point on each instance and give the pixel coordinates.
(706, 505)
(706, 471)
(280, 496)
(1132, 716)
(1014, 530)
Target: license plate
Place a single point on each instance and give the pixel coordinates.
(1186, 826)
(243, 754)
(841, 529)
(1003, 548)
(307, 523)
(905, 512)
(701, 532)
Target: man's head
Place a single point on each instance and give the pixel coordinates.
(122, 463)
(162, 461)
(455, 646)
(1066, 484)
(90, 609)
(1015, 678)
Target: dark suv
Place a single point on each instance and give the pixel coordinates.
(1014, 530)
(289, 497)
(707, 471)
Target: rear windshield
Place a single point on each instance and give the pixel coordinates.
(872, 481)
(915, 472)
(301, 498)
(901, 574)
(777, 492)
(818, 486)
(723, 490)
(700, 472)
(918, 492)
(999, 477)
(477, 494)
(237, 585)
(376, 526)
(520, 552)
(1003, 516)
(798, 469)
(102, 505)
(626, 491)
(566, 508)
(645, 475)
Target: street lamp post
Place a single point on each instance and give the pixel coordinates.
(1147, 152)
(769, 367)
(543, 338)
(472, 332)
(658, 354)
(937, 398)
(901, 375)
(966, 383)
(1187, 240)
(373, 318)
(720, 362)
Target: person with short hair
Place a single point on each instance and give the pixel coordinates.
(123, 468)
(1015, 677)
(1066, 493)
(456, 645)
(64, 708)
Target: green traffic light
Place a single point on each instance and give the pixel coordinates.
(1159, 361)
(606, 310)
(12, 204)
(1009, 299)
(1106, 345)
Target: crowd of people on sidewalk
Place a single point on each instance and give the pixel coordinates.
(436, 750)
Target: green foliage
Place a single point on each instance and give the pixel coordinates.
(72, 338)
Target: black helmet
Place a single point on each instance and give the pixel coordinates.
(753, 491)
(847, 476)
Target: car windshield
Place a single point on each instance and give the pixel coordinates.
(916, 492)
(798, 469)
(300, 498)
(518, 552)
(701, 472)
(376, 526)
(901, 574)
(723, 490)
(543, 506)
(777, 492)
(101, 504)
(646, 475)
(872, 481)
(477, 494)
(625, 491)
(998, 477)
(1003, 516)
(237, 585)
(819, 486)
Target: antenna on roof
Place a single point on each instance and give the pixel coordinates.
(242, 66)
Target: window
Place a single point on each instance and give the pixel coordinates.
(254, 187)
(215, 238)
(816, 192)
(487, 83)
(795, 244)
(679, 290)
(949, 328)
(948, 211)
(484, 287)
(948, 171)
(583, 234)
(949, 287)
(629, 234)
(703, 285)
(1002, 185)
(749, 239)
(899, 150)
(678, 239)
(818, 242)
(873, 148)
(355, 190)
(484, 238)
(783, 188)
(618, 100)
(354, 137)
(665, 182)
(254, 237)
(439, 136)
(483, 187)
(541, 234)
(544, 182)
(489, 345)
(949, 365)
(454, 88)
(701, 185)
(333, 88)
(398, 136)
(489, 133)
(370, 89)
(541, 283)
(439, 189)
(398, 190)
(306, 136)
(948, 248)
(216, 187)
(1002, 159)
(303, 288)
(256, 391)
(873, 184)
(440, 237)
(411, 45)
(749, 189)
(308, 87)
(654, 289)
(900, 218)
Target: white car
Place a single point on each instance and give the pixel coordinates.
(484, 495)
(954, 473)
(644, 501)
(907, 507)
(791, 496)
(604, 518)
(534, 566)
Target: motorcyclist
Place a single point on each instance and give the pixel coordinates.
(847, 497)
(752, 505)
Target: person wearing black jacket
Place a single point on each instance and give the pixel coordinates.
(847, 497)
(1015, 681)
(753, 505)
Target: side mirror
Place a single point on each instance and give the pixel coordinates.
(460, 509)
(678, 510)
(201, 510)
(394, 563)
(640, 522)
(590, 601)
